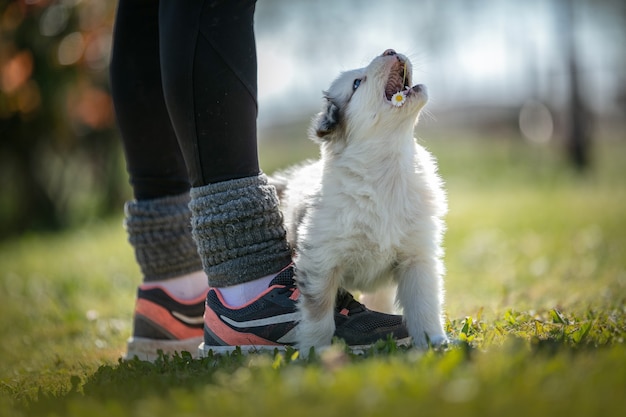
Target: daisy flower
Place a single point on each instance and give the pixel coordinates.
(398, 99)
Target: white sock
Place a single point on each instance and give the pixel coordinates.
(186, 287)
(240, 294)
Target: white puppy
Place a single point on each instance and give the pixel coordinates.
(369, 212)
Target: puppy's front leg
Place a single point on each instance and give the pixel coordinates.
(317, 304)
(420, 294)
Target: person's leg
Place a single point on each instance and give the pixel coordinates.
(153, 157)
(158, 219)
(208, 62)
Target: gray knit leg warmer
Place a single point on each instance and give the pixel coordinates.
(160, 232)
(239, 230)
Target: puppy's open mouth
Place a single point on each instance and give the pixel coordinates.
(399, 79)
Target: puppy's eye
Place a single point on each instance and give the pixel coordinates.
(356, 84)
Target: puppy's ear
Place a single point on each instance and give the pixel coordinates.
(328, 120)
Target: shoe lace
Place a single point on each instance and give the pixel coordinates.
(287, 283)
(345, 300)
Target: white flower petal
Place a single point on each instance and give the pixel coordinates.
(398, 99)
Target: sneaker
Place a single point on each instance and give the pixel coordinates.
(361, 327)
(269, 321)
(163, 323)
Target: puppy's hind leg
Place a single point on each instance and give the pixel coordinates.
(317, 305)
(420, 294)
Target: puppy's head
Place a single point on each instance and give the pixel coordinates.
(361, 102)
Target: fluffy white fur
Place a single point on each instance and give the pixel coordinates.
(369, 212)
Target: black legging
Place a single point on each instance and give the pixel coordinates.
(184, 85)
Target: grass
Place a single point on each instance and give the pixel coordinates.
(536, 291)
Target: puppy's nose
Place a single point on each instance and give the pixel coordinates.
(389, 52)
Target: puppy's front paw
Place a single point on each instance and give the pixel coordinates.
(314, 334)
(439, 341)
(434, 341)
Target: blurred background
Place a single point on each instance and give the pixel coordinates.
(548, 76)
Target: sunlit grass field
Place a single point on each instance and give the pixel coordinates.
(535, 297)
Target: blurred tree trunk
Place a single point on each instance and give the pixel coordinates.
(33, 206)
(578, 130)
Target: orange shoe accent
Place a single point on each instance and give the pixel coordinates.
(230, 336)
(295, 294)
(163, 318)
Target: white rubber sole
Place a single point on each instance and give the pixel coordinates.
(147, 349)
(204, 350)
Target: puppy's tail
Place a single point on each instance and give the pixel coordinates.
(279, 180)
(282, 179)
